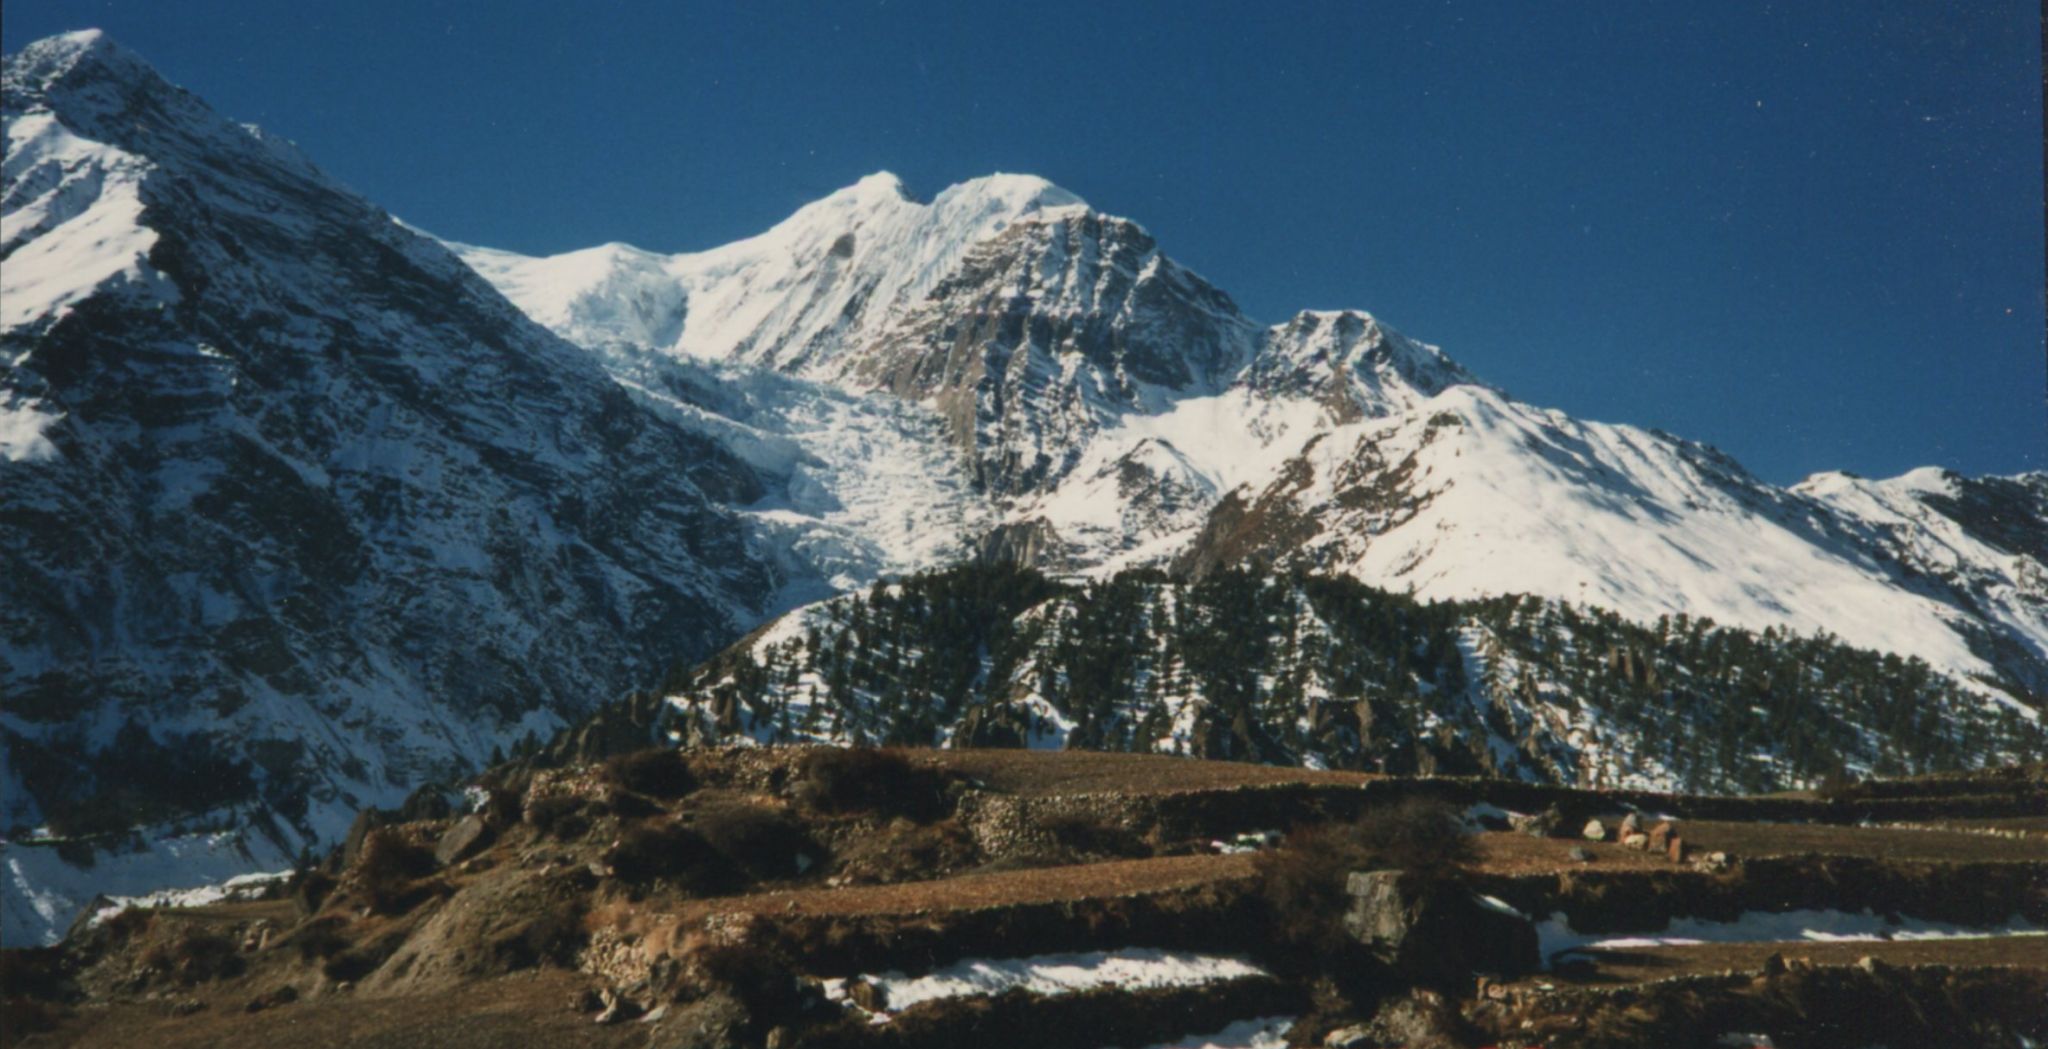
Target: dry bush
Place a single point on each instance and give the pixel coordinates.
(759, 841)
(671, 851)
(194, 956)
(1302, 881)
(391, 870)
(1091, 835)
(759, 978)
(309, 889)
(364, 959)
(1418, 836)
(560, 817)
(658, 772)
(318, 939)
(552, 938)
(864, 779)
(906, 851)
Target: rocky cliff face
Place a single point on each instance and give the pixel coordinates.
(298, 511)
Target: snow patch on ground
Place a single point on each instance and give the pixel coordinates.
(1555, 936)
(1131, 969)
(22, 425)
(239, 887)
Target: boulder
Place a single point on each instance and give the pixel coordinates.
(1631, 824)
(1663, 832)
(1675, 848)
(1637, 841)
(1352, 1037)
(867, 996)
(1537, 825)
(466, 838)
(1436, 932)
(1594, 831)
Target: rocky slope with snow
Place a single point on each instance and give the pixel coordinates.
(261, 445)
(1107, 408)
(296, 511)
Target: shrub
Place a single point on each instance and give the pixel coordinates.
(194, 956)
(660, 772)
(389, 872)
(364, 959)
(862, 779)
(310, 889)
(1093, 835)
(1419, 836)
(1302, 881)
(669, 850)
(560, 817)
(760, 979)
(757, 840)
(319, 939)
(552, 938)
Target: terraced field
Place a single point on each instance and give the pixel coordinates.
(1073, 901)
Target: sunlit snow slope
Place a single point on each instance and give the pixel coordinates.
(1107, 408)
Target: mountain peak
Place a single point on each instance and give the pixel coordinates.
(64, 57)
(1022, 192)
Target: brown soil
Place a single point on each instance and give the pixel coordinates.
(1084, 772)
(1513, 854)
(1008, 888)
(530, 1009)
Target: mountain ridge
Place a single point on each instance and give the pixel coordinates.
(263, 444)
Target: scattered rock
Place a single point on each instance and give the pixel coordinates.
(1540, 825)
(187, 1006)
(586, 1000)
(867, 996)
(1580, 854)
(1594, 831)
(1433, 931)
(1639, 842)
(1662, 833)
(655, 1014)
(617, 1007)
(1352, 1037)
(1711, 863)
(467, 838)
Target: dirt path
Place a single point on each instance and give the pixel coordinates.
(1085, 772)
(1009, 888)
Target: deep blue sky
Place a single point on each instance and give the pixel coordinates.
(1811, 237)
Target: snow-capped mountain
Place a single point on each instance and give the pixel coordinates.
(299, 513)
(1111, 409)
